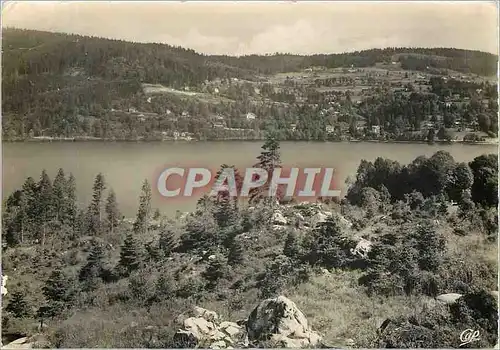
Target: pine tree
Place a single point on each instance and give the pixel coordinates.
(92, 271)
(18, 305)
(60, 187)
(236, 253)
(112, 212)
(167, 242)
(59, 290)
(45, 205)
(141, 224)
(216, 269)
(269, 159)
(71, 210)
(292, 247)
(130, 257)
(27, 208)
(95, 208)
(153, 250)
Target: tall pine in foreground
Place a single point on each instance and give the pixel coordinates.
(112, 212)
(71, 210)
(95, 208)
(60, 194)
(269, 159)
(45, 207)
(18, 306)
(141, 224)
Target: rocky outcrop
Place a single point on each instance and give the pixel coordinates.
(279, 323)
(274, 322)
(362, 248)
(279, 219)
(448, 298)
(203, 330)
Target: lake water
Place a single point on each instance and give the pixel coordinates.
(125, 165)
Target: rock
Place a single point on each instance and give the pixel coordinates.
(211, 257)
(280, 320)
(232, 329)
(324, 271)
(494, 293)
(362, 248)
(318, 218)
(279, 219)
(299, 216)
(21, 343)
(344, 222)
(349, 342)
(206, 314)
(279, 227)
(448, 298)
(218, 345)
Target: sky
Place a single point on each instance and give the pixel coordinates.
(257, 28)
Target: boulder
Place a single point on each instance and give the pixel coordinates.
(362, 249)
(21, 343)
(280, 320)
(448, 298)
(318, 218)
(279, 219)
(208, 315)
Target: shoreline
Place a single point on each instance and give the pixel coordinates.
(83, 140)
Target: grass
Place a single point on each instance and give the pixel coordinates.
(339, 309)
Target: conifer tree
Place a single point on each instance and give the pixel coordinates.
(45, 205)
(236, 253)
(216, 269)
(269, 159)
(141, 224)
(18, 306)
(167, 242)
(27, 208)
(95, 208)
(71, 210)
(60, 187)
(112, 212)
(92, 271)
(292, 247)
(59, 290)
(130, 256)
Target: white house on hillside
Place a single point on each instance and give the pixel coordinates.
(251, 116)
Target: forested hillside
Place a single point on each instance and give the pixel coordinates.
(61, 85)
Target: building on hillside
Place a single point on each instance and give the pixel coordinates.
(251, 116)
(293, 127)
(376, 129)
(330, 129)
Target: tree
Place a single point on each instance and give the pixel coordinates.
(59, 289)
(292, 246)
(18, 306)
(236, 255)
(484, 189)
(71, 210)
(431, 135)
(443, 134)
(461, 180)
(92, 272)
(141, 224)
(216, 269)
(130, 256)
(167, 242)
(95, 208)
(45, 205)
(112, 212)
(269, 159)
(60, 187)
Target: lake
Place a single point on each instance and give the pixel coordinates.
(125, 165)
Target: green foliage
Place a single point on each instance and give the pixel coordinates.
(60, 291)
(113, 214)
(141, 224)
(130, 255)
(18, 306)
(485, 186)
(327, 246)
(236, 255)
(95, 207)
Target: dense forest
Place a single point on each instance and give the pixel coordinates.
(84, 277)
(61, 85)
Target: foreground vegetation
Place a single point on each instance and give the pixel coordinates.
(83, 277)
